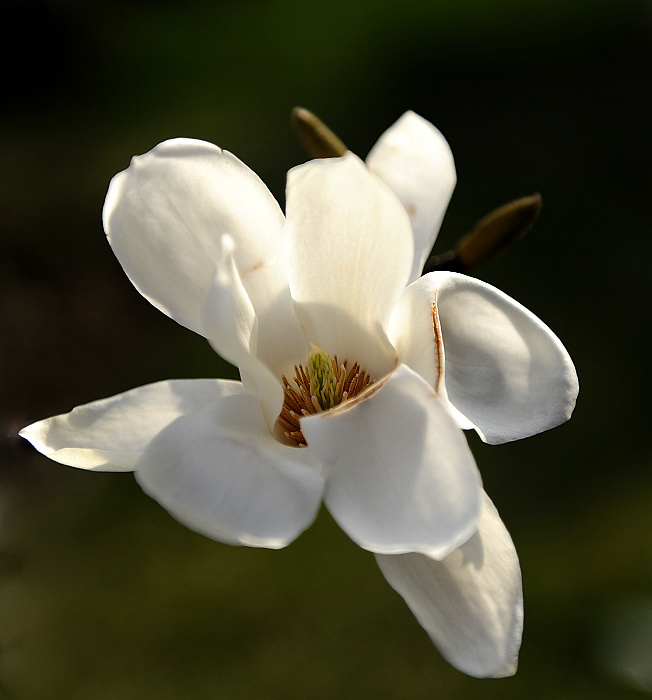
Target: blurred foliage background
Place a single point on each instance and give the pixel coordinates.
(102, 594)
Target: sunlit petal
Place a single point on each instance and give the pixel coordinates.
(415, 161)
(221, 473)
(164, 217)
(349, 246)
(111, 434)
(400, 476)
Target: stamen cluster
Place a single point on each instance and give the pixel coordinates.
(323, 384)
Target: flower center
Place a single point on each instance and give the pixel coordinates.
(321, 385)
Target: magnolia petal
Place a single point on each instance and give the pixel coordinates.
(471, 602)
(415, 331)
(506, 371)
(281, 342)
(399, 474)
(349, 246)
(111, 434)
(221, 473)
(415, 161)
(231, 325)
(164, 217)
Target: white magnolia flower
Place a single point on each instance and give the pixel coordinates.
(345, 352)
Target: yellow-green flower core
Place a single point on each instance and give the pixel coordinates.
(324, 383)
(321, 385)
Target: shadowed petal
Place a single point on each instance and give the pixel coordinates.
(111, 434)
(471, 602)
(399, 474)
(221, 473)
(415, 161)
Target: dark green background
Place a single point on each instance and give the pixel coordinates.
(102, 594)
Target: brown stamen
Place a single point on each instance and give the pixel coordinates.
(298, 402)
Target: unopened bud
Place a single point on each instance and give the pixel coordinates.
(318, 140)
(498, 230)
(490, 236)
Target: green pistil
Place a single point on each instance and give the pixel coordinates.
(324, 385)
